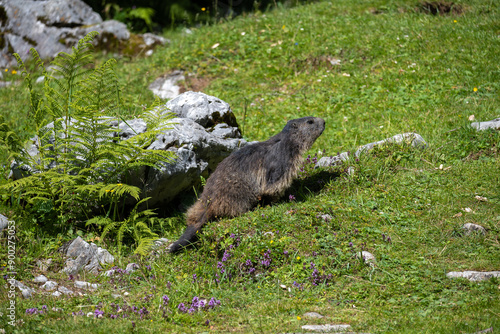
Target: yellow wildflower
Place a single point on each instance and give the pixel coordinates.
(475, 89)
(299, 318)
(298, 257)
(14, 72)
(203, 9)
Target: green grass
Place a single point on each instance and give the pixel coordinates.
(408, 71)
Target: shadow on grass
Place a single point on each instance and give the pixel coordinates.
(304, 187)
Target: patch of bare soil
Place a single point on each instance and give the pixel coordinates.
(194, 83)
(440, 8)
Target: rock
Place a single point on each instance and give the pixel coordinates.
(132, 127)
(49, 286)
(40, 279)
(204, 109)
(27, 292)
(154, 40)
(313, 315)
(44, 265)
(326, 218)
(131, 267)
(109, 273)
(65, 290)
(367, 257)
(493, 124)
(410, 137)
(333, 160)
(473, 276)
(165, 87)
(4, 222)
(51, 26)
(470, 228)
(116, 296)
(326, 328)
(86, 285)
(160, 242)
(86, 256)
(56, 294)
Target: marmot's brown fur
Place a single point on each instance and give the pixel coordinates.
(257, 171)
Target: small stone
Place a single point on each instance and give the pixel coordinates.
(109, 273)
(326, 218)
(116, 296)
(56, 294)
(367, 257)
(57, 309)
(131, 267)
(86, 285)
(90, 314)
(4, 222)
(493, 124)
(40, 279)
(313, 315)
(160, 242)
(283, 286)
(43, 265)
(470, 228)
(335, 160)
(412, 138)
(481, 198)
(474, 276)
(49, 286)
(268, 233)
(326, 328)
(65, 290)
(126, 293)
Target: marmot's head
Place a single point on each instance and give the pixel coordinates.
(304, 131)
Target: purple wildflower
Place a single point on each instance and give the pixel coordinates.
(226, 256)
(165, 299)
(291, 198)
(98, 313)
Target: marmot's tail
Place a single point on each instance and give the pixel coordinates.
(196, 218)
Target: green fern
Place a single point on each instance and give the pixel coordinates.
(135, 225)
(79, 157)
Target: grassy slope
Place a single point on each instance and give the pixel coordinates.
(408, 72)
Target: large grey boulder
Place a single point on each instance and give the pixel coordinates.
(51, 26)
(204, 133)
(83, 255)
(201, 136)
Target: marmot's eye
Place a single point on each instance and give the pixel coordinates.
(310, 122)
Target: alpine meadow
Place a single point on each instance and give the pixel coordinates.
(367, 244)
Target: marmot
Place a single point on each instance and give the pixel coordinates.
(256, 171)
